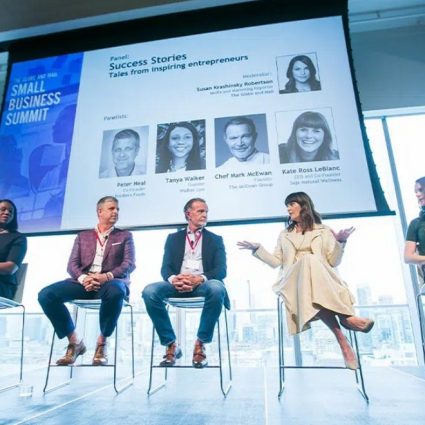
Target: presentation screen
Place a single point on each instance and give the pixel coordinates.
(240, 117)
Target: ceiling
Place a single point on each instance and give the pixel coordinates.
(24, 18)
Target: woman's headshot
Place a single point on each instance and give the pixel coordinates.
(301, 75)
(310, 140)
(178, 148)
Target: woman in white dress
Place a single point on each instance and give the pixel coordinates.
(307, 253)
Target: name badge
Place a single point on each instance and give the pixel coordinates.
(192, 264)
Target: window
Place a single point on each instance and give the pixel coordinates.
(372, 266)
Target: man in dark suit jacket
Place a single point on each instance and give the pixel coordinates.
(100, 265)
(194, 265)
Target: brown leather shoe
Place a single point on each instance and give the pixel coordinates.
(72, 352)
(199, 359)
(172, 353)
(357, 324)
(100, 357)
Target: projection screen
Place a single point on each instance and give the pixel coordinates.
(240, 117)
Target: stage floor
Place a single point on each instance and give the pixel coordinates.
(311, 397)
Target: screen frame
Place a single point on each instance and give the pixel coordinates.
(194, 22)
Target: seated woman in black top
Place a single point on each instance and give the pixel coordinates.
(414, 251)
(13, 247)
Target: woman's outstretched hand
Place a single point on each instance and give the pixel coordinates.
(253, 246)
(343, 234)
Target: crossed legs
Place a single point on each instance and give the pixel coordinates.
(329, 319)
(353, 323)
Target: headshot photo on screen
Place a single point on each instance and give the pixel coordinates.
(241, 140)
(180, 146)
(124, 152)
(298, 73)
(310, 137)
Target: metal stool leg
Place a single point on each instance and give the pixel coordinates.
(225, 390)
(117, 389)
(358, 372)
(116, 381)
(132, 340)
(9, 387)
(280, 348)
(228, 346)
(421, 319)
(353, 340)
(151, 391)
(49, 365)
(22, 345)
(197, 303)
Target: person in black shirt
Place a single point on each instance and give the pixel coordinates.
(414, 251)
(13, 247)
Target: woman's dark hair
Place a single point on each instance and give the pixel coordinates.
(308, 215)
(13, 225)
(312, 120)
(194, 160)
(421, 182)
(314, 83)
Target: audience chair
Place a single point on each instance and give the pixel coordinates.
(194, 303)
(95, 305)
(17, 303)
(353, 341)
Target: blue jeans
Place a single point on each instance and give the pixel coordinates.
(52, 299)
(155, 293)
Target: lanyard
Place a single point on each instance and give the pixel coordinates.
(194, 243)
(105, 239)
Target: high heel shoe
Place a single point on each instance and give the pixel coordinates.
(357, 324)
(351, 364)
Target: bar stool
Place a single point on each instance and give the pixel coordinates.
(419, 296)
(95, 305)
(5, 303)
(353, 341)
(194, 303)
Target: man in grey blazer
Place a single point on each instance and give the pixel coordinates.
(194, 265)
(100, 265)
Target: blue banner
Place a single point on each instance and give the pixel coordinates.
(36, 138)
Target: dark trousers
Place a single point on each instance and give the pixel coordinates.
(7, 290)
(52, 299)
(155, 293)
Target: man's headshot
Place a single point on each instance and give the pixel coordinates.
(124, 157)
(240, 136)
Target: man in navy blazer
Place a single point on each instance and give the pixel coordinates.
(194, 265)
(100, 265)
